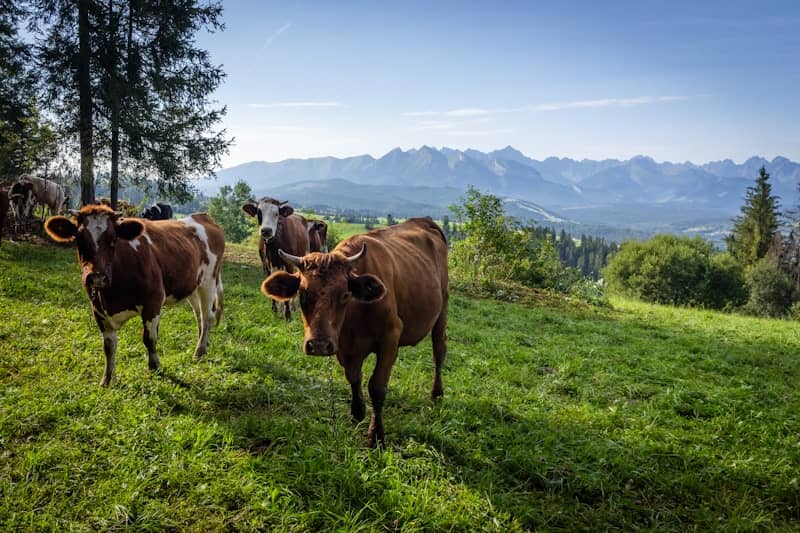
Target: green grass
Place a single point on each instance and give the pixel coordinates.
(554, 418)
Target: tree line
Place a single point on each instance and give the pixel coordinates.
(115, 84)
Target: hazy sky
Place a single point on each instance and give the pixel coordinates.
(697, 80)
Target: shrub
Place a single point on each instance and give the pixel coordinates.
(771, 290)
(496, 248)
(674, 270)
(726, 282)
(665, 269)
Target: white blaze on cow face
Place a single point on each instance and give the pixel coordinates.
(268, 214)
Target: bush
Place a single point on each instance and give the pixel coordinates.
(674, 270)
(726, 283)
(496, 248)
(771, 290)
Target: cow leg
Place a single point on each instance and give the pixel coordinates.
(352, 371)
(194, 303)
(378, 384)
(110, 350)
(275, 306)
(287, 310)
(207, 293)
(150, 338)
(439, 340)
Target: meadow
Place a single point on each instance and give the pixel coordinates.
(556, 416)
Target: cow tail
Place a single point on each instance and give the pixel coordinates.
(218, 301)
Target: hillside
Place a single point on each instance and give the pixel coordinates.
(555, 417)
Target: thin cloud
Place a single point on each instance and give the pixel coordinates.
(295, 104)
(460, 113)
(277, 33)
(481, 132)
(578, 104)
(608, 102)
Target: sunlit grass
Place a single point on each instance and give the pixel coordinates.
(554, 417)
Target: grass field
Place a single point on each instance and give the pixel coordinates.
(554, 418)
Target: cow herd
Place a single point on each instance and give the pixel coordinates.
(373, 293)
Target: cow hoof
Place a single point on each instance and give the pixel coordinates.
(104, 382)
(198, 356)
(357, 413)
(436, 394)
(375, 442)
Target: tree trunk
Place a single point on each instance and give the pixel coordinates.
(85, 106)
(114, 89)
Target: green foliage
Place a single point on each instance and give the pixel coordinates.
(554, 418)
(334, 236)
(675, 270)
(226, 210)
(726, 286)
(496, 248)
(771, 290)
(590, 255)
(754, 229)
(144, 103)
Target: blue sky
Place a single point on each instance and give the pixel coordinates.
(674, 80)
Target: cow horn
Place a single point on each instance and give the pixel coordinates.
(289, 258)
(74, 212)
(283, 202)
(359, 255)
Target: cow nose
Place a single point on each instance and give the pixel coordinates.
(320, 347)
(266, 232)
(97, 280)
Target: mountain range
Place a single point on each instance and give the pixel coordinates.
(637, 193)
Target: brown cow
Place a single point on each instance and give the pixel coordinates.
(374, 293)
(280, 229)
(133, 267)
(3, 209)
(317, 236)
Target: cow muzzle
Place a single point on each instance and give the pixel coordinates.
(266, 234)
(98, 280)
(321, 346)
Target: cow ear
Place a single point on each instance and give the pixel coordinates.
(129, 229)
(286, 210)
(250, 209)
(281, 286)
(61, 229)
(366, 288)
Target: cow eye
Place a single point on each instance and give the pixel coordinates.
(345, 297)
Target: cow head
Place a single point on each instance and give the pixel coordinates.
(151, 213)
(326, 285)
(320, 229)
(268, 212)
(23, 200)
(95, 229)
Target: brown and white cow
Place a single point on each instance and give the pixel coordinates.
(374, 293)
(317, 236)
(280, 229)
(133, 267)
(4, 203)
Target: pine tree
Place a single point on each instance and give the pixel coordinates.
(26, 140)
(139, 85)
(754, 229)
